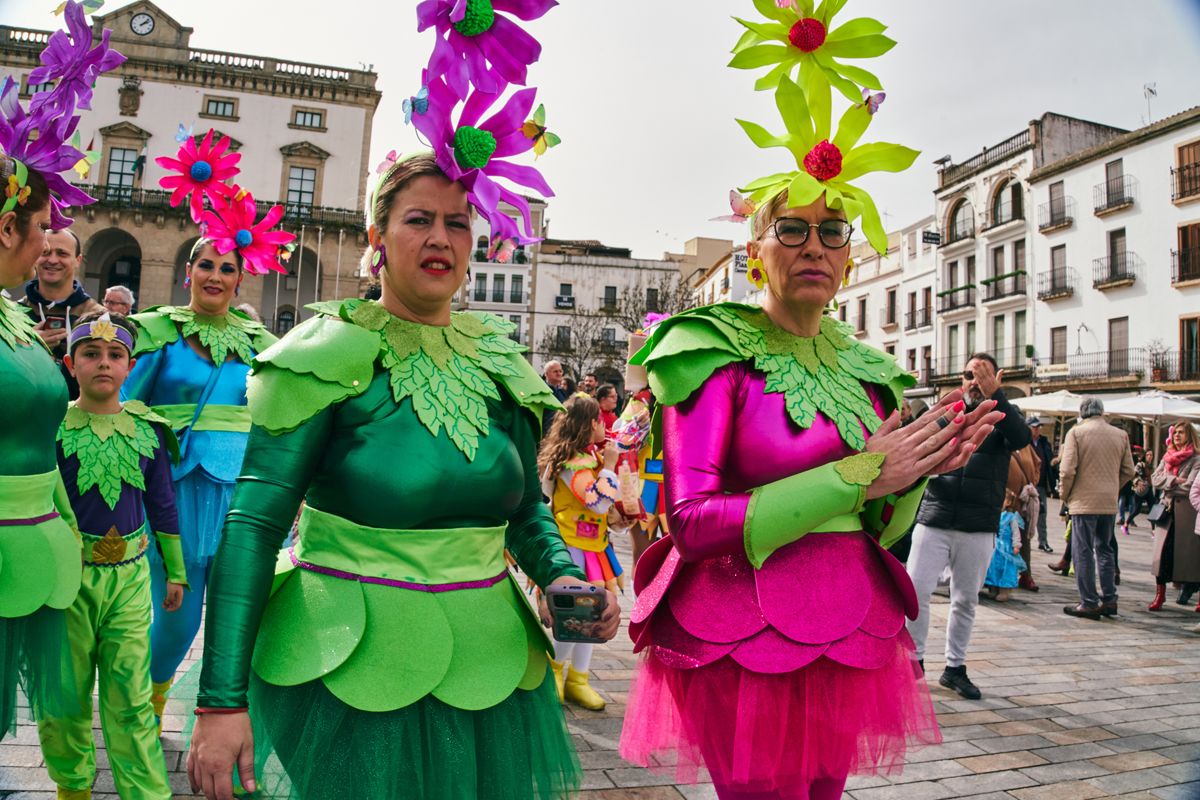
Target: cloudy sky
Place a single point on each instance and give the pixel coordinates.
(639, 90)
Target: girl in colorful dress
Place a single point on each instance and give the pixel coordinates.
(577, 466)
(1006, 566)
(116, 462)
(192, 363)
(772, 618)
(39, 543)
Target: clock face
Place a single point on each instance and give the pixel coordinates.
(142, 24)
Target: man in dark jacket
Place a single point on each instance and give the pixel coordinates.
(1041, 445)
(957, 522)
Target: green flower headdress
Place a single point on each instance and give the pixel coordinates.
(826, 160)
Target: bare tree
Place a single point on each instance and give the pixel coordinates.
(667, 294)
(584, 345)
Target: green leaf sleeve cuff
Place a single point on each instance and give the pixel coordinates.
(889, 518)
(171, 548)
(828, 497)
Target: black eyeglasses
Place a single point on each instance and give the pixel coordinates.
(793, 232)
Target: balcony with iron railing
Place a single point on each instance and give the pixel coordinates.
(516, 297)
(1003, 213)
(1116, 270)
(920, 318)
(954, 173)
(1185, 265)
(1185, 182)
(157, 200)
(1056, 215)
(1057, 284)
(1011, 284)
(1102, 365)
(1175, 366)
(949, 369)
(1114, 195)
(888, 318)
(956, 233)
(603, 344)
(956, 298)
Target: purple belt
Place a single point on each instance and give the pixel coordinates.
(416, 587)
(5, 523)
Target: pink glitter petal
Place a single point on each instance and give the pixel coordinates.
(653, 559)
(649, 597)
(900, 579)
(715, 600)
(885, 617)
(863, 651)
(771, 652)
(678, 649)
(815, 590)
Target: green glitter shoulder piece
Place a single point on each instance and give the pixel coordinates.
(447, 373)
(233, 333)
(15, 325)
(110, 447)
(822, 373)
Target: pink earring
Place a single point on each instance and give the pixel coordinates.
(378, 259)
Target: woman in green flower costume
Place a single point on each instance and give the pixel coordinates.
(192, 363)
(389, 653)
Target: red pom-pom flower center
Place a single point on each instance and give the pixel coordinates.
(824, 162)
(807, 35)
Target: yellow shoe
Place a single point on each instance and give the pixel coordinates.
(577, 690)
(158, 699)
(74, 794)
(557, 666)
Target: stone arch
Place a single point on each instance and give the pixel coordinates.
(292, 291)
(180, 296)
(113, 257)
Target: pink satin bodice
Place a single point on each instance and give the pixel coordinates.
(834, 594)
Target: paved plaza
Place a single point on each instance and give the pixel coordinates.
(1072, 709)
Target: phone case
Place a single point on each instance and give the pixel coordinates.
(573, 621)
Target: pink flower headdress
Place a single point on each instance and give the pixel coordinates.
(203, 171)
(230, 224)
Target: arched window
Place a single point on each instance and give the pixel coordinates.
(1006, 203)
(284, 320)
(962, 222)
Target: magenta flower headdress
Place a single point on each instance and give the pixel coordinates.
(477, 45)
(203, 171)
(40, 138)
(230, 224)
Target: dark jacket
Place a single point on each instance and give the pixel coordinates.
(1045, 452)
(66, 312)
(969, 499)
(548, 414)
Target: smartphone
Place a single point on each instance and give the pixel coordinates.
(56, 323)
(576, 611)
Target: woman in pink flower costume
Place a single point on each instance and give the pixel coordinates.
(771, 619)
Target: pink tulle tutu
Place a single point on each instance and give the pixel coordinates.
(766, 732)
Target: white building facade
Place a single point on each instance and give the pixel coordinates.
(504, 288)
(1118, 262)
(303, 131)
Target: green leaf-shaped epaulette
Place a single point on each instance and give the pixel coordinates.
(155, 329)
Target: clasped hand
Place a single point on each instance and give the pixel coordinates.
(926, 447)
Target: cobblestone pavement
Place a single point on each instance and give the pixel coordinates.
(1072, 709)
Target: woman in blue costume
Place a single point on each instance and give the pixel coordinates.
(192, 363)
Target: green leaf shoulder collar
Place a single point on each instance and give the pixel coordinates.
(233, 332)
(15, 325)
(822, 373)
(110, 447)
(447, 372)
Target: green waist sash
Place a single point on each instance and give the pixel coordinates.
(213, 417)
(114, 550)
(39, 554)
(385, 617)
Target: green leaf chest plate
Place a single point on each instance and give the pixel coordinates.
(110, 447)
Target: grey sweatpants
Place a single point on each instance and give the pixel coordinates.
(968, 556)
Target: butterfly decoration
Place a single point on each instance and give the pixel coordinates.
(84, 165)
(16, 190)
(535, 129)
(388, 162)
(742, 208)
(873, 101)
(501, 250)
(183, 134)
(785, 3)
(284, 253)
(417, 104)
(89, 7)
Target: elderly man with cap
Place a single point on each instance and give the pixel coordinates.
(1096, 462)
(1045, 451)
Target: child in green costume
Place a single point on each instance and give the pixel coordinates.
(115, 461)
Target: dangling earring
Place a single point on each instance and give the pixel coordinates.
(756, 273)
(237, 289)
(378, 259)
(187, 281)
(849, 270)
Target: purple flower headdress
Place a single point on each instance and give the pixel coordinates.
(477, 45)
(40, 139)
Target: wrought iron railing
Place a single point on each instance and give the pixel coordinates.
(921, 318)
(888, 318)
(1174, 365)
(1057, 283)
(957, 233)
(1106, 364)
(1185, 181)
(1010, 285)
(1117, 268)
(959, 297)
(1004, 212)
(1056, 213)
(1185, 265)
(1114, 193)
(953, 173)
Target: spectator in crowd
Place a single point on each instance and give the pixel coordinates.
(1045, 451)
(957, 522)
(552, 373)
(55, 298)
(606, 395)
(906, 414)
(374, 291)
(1096, 462)
(250, 311)
(1176, 551)
(1023, 471)
(589, 384)
(1143, 489)
(119, 299)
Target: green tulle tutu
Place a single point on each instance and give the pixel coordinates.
(308, 744)
(33, 656)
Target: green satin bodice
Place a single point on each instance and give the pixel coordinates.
(35, 402)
